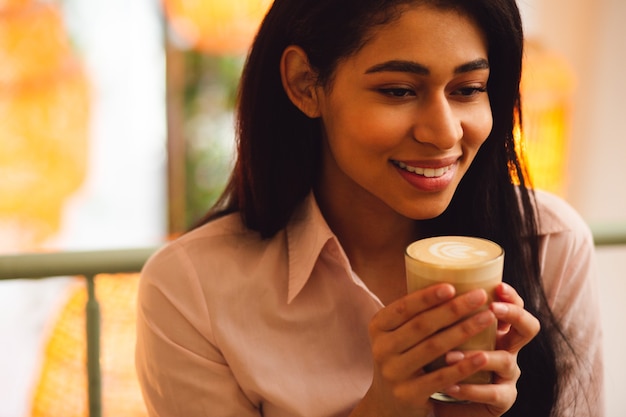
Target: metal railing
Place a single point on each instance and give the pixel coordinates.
(609, 234)
(89, 264)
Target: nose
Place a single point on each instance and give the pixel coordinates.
(437, 124)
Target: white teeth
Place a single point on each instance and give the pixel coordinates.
(427, 172)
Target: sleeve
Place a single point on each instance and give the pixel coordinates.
(180, 369)
(568, 258)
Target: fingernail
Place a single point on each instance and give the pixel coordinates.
(476, 298)
(499, 308)
(506, 288)
(478, 359)
(445, 292)
(454, 357)
(484, 317)
(454, 389)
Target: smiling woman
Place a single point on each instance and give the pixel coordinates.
(364, 125)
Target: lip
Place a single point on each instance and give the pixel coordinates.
(429, 176)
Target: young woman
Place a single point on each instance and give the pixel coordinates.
(364, 125)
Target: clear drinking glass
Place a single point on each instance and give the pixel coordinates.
(466, 263)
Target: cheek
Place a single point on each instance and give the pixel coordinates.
(478, 128)
(386, 127)
(364, 130)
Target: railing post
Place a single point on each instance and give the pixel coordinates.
(94, 381)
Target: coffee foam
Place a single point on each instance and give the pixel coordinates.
(455, 253)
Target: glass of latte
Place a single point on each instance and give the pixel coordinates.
(467, 263)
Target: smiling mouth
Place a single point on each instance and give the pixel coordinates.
(426, 172)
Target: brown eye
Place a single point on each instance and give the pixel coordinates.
(397, 92)
(469, 91)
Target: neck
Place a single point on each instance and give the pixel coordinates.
(374, 238)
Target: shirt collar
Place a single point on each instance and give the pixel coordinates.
(308, 235)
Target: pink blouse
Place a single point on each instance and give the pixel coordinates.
(233, 325)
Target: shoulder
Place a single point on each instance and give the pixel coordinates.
(567, 251)
(556, 216)
(211, 240)
(222, 255)
(565, 238)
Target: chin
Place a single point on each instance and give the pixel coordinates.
(426, 209)
(425, 214)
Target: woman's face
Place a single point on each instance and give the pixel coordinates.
(406, 115)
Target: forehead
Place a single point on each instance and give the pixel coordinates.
(425, 32)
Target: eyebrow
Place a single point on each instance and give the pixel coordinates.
(419, 69)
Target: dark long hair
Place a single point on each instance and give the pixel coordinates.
(278, 153)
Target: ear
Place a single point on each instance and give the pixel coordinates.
(299, 80)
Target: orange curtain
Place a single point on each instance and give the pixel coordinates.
(44, 114)
(546, 88)
(218, 27)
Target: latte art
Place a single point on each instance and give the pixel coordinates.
(456, 250)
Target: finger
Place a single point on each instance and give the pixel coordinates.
(524, 326)
(499, 397)
(439, 318)
(503, 327)
(507, 294)
(405, 308)
(409, 363)
(447, 340)
(503, 364)
(501, 392)
(448, 376)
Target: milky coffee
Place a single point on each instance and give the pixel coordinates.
(467, 263)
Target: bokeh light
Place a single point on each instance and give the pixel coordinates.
(44, 122)
(216, 26)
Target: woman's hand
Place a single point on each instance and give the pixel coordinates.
(412, 332)
(516, 327)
